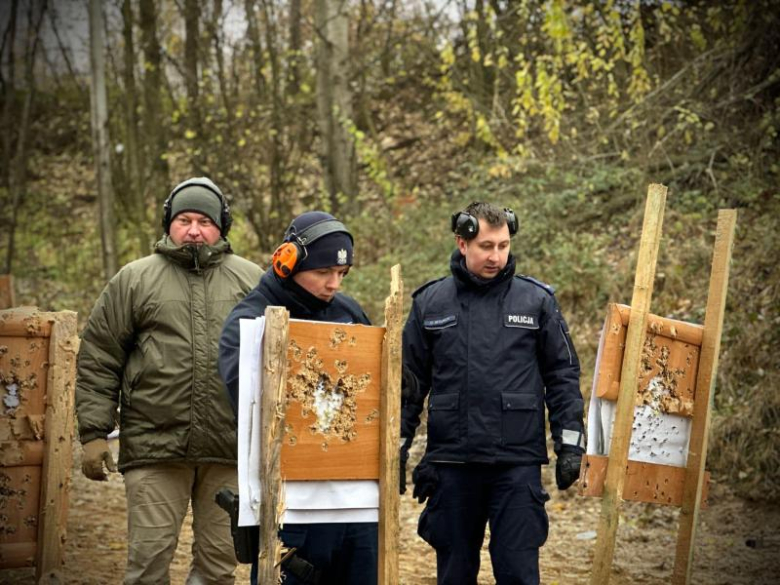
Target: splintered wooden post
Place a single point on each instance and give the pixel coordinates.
(58, 447)
(6, 291)
(705, 391)
(390, 433)
(624, 415)
(272, 404)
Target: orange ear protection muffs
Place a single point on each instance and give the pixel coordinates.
(288, 257)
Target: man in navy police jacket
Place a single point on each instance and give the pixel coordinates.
(491, 350)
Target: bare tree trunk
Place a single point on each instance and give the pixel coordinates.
(64, 52)
(334, 101)
(17, 173)
(279, 207)
(154, 132)
(295, 48)
(388, 50)
(135, 196)
(257, 51)
(191, 20)
(100, 139)
(10, 96)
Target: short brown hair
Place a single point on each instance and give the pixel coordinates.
(493, 215)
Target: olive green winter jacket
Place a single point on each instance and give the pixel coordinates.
(151, 346)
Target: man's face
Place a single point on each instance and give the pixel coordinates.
(323, 283)
(190, 227)
(487, 254)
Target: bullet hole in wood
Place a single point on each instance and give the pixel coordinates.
(333, 402)
(661, 392)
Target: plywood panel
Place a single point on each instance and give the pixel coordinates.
(24, 322)
(16, 555)
(19, 505)
(645, 482)
(670, 361)
(333, 392)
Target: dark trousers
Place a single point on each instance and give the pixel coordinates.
(344, 553)
(469, 496)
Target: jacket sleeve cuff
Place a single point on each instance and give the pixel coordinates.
(88, 436)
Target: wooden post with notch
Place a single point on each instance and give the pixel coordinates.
(621, 434)
(705, 386)
(272, 405)
(58, 447)
(389, 439)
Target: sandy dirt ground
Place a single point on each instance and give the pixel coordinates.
(96, 547)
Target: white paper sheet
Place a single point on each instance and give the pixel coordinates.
(250, 354)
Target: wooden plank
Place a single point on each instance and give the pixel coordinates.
(58, 456)
(7, 300)
(17, 555)
(390, 439)
(705, 392)
(19, 504)
(621, 434)
(330, 365)
(645, 482)
(21, 453)
(672, 328)
(24, 322)
(272, 410)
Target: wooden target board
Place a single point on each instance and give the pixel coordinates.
(37, 383)
(333, 400)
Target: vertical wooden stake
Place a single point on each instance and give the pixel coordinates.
(6, 291)
(624, 415)
(390, 433)
(272, 407)
(58, 447)
(705, 391)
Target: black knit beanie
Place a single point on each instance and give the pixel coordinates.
(334, 249)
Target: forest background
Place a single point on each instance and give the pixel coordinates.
(393, 114)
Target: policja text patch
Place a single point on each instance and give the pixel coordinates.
(521, 320)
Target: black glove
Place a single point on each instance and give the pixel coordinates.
(425, 478)
(567, 468)
(410, 387)
(407, 443)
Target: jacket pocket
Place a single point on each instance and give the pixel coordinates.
(443, 417)
(518, 418)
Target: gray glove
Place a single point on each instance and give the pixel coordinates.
(96, 453)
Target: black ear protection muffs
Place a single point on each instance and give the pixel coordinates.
(466, 225)
(288, 257)
(226, 219)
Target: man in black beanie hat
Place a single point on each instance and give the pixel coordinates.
(150, 345)
(336, 543)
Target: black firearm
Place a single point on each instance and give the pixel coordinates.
(246, 539)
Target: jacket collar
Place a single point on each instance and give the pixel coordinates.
(466, 279)
(193, 257)
(287, 293)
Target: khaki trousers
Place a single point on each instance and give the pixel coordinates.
(157, 501)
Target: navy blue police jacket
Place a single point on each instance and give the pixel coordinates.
(491, 354)
(275, 291)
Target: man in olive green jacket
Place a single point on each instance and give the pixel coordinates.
(150, 347)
